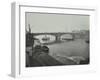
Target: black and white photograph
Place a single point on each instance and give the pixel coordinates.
(56, 39)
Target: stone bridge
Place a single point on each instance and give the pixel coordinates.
(57, 35)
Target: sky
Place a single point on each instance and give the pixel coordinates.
(43, 22)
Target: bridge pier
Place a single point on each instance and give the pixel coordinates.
(58, 37)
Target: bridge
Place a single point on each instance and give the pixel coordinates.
(56, 34)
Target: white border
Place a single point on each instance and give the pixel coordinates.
(19, 66)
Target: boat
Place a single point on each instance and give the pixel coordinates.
(46, 38)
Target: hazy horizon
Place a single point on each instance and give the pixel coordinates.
(42, 22)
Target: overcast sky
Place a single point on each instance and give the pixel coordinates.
(40, 22)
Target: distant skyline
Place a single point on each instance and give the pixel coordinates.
(41, 22)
